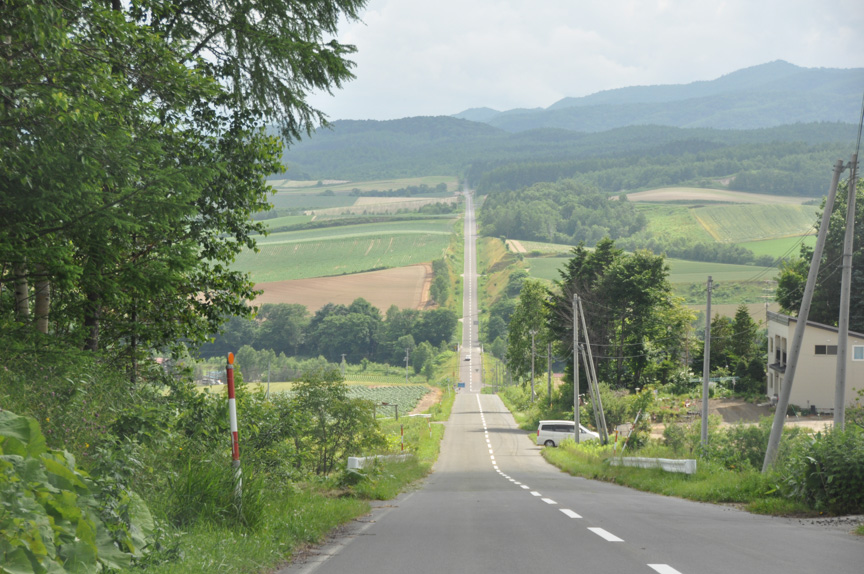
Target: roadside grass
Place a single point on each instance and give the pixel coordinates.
(296, 515)
(711, 483)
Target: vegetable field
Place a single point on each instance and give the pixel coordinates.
(406, 396)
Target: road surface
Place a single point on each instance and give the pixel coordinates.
(493, 505)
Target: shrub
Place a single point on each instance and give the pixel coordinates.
(54, 517)
(827, 470)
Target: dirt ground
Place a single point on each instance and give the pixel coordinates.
(734, 411)
(426, 402)
(405, 287)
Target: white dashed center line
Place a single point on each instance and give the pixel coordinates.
(663, 569)
(605, 535)
(570, 513)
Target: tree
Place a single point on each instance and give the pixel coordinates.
(529, 315)
(435, 326)
(136, 155)
(825, 307)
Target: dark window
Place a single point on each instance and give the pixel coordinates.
(826, 350)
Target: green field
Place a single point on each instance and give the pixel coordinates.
(680, 271)
(344, 250)
(286, 220)
(312, 187)
(737, 223)
(784, 247)
(673, 221)
(283, 200)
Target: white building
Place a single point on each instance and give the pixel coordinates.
(815, 376)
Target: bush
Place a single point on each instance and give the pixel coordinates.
(54, 517)
(827, 471)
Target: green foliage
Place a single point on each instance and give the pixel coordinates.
(56, 518)
(564, 212)
(825, 306)
(827, 470)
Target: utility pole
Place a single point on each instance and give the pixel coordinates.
(407, 355)
(576, 366)
(533, 332)
(845, 293)
(800, 325)
(343, 365)
(549, 371)
(706, 367)
(593, 384)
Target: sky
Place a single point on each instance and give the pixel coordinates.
(440, 57)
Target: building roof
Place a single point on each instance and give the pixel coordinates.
(786, 319)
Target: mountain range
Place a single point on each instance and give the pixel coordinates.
(772, 94)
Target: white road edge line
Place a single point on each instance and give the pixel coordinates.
(605, 534)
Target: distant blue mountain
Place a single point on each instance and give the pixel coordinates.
(768, 95)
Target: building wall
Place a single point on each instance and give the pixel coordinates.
(815, 377)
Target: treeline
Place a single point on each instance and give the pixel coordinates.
(680, 248)
(564, 212)
(409, 191)
(779, 168)
(358, 331)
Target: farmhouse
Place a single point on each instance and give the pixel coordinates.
(813, 388)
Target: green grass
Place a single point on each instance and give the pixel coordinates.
(669, 222)
(737, 223)
(783, 247)
(546, 267)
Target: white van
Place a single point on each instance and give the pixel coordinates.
(551, 433)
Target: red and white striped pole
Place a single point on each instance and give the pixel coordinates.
(235, 440)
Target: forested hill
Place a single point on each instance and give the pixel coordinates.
(366, 150)
(773, 94)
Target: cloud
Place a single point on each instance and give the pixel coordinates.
(439, 58)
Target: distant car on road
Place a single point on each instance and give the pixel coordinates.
(551, 433)
(467, 357)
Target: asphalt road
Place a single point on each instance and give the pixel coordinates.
(493, 505)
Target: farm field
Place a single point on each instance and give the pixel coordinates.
(681, 271)
(783, 247)
(671, 222)
(737, 223)
(345, 187)
(378, 205)
(286, 220)
(698, 194)
(405, 287)
(405, 395)
(439, 226)
(282, 261)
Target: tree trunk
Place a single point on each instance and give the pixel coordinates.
(22, 294)
(91, 322)
(42, 306)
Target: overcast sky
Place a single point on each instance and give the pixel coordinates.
(440, 57)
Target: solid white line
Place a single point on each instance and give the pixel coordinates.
(570, 513)
(663, 569)
(535, 493)
(605, 534)
(548, 501)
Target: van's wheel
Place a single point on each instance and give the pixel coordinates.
(549, 443)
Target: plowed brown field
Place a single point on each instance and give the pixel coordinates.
(405, 287)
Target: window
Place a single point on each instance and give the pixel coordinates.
(826, 350)
(858, 353)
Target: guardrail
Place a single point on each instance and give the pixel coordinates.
(356, 462)
(686, 466)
